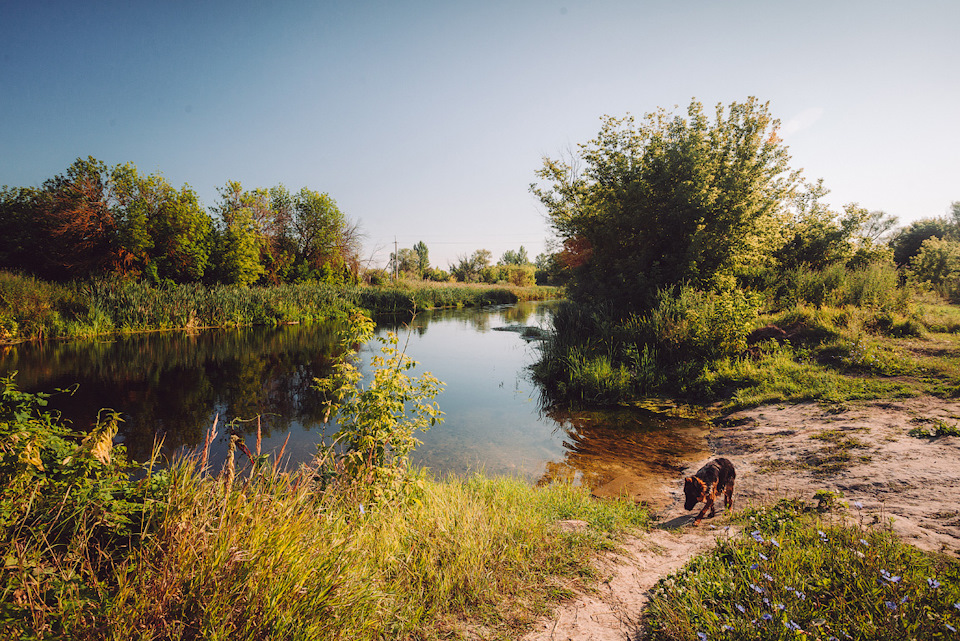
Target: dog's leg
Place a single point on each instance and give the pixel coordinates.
(728, 495)
(708, 505)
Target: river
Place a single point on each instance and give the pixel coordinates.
(171, 385)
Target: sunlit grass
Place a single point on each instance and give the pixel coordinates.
(277, 557)
(794, 575)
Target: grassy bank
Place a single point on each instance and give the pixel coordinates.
(270, 555)
(832, 336)
(802, 573)
(32, 309)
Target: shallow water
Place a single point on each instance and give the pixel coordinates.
(170, 385)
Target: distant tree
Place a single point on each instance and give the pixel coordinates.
(906, 243)
(319, 228)
(468, 269)
(670, 200)
(423, 258)
(405, 261)
(938, 263)
(84, 234)
(165, 230)
(518, 257)
(25, 231)
(816, 236)
(877, 226)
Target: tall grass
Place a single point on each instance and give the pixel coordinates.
(406, 297)
(31, 308)
(275, 557)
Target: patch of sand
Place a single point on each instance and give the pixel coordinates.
(906, 483)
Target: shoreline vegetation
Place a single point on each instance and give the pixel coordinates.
(32, 309)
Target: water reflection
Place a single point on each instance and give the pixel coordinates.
(626, 452)
(170, 385)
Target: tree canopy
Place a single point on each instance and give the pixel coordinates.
(93, 220)
(670, 199)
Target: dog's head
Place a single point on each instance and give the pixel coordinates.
(695, 490)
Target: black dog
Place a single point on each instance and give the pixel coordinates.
(716, 476)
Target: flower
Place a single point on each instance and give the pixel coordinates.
(754, 566)
(768, 577)
(757, 536)
(742, 609)
(864, 541)
(779, 606)
(774, 541)
(889, 577)
(858, 505)
(933, 583)
(792, 625)
(950, 627)
(702, 636)
(890, 605)
(767, 616)
(764, 556)
(727, 628)
(756, 588)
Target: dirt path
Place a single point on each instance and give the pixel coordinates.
(864, 451)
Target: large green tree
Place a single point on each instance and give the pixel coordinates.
(165, 230)
(670, 199)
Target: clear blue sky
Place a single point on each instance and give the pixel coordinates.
(426, 120)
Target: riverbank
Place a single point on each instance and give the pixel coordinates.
(881, 473)
(32, 309)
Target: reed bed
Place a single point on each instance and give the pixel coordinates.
(32, 309)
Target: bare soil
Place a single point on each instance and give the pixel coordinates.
(863, 450)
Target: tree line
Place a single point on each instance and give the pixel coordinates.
(95, 220)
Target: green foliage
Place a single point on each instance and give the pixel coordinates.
(379, 419)
(469, 269)
(937, 263)
(797, 577)
(68, 512)
(907, 242)
(518, 257)
(87, 308)
(670, 200)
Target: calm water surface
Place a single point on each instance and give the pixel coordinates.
(172, 384)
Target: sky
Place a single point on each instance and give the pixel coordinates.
(427, 120)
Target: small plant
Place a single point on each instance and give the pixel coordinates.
(940, 428)
(378, 420)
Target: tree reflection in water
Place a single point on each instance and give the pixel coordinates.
(635, 453)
